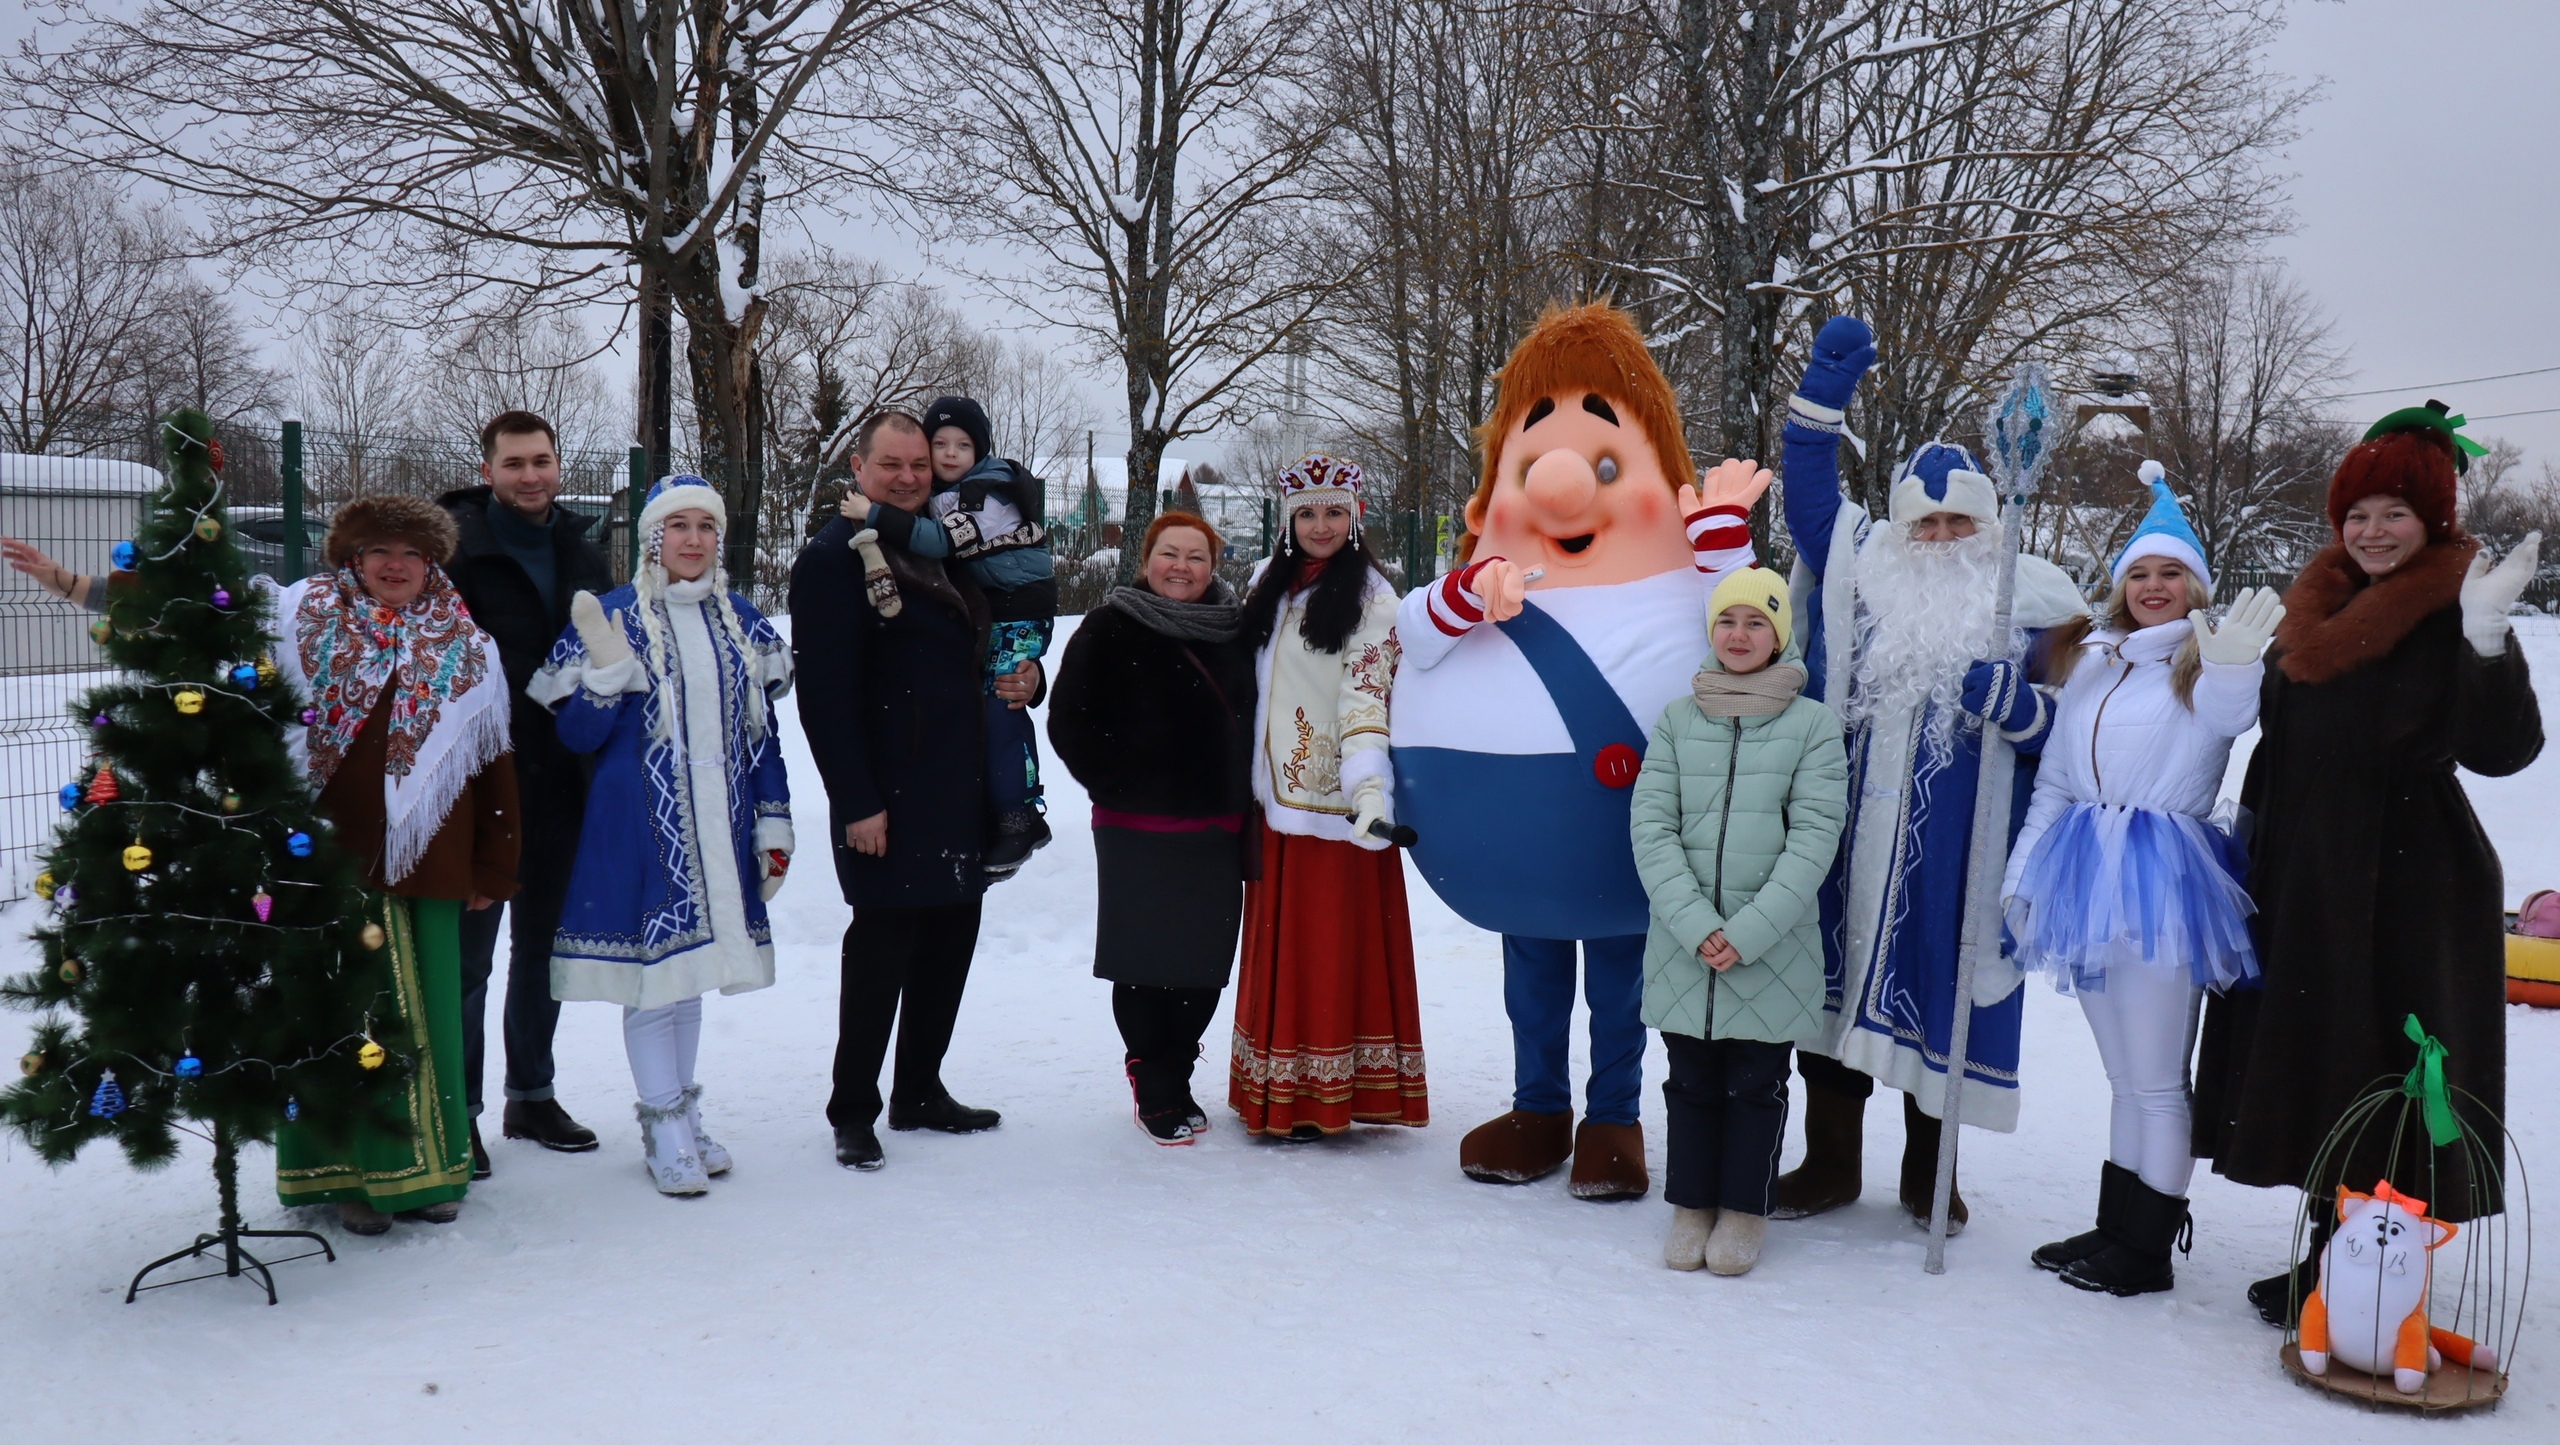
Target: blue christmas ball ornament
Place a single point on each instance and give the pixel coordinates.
(298, 844)
(244, 677)
(70, 796)
(292, 1109)
(109, 1100)
(188, 1067)
(125, 555)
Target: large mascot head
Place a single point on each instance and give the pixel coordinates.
(1583, 456)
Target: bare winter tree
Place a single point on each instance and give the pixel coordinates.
(1149, 155)
(448, 147)
(513, 358)
(85, 282)
(199, 355)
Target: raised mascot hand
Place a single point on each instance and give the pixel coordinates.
(1498, 580)
(2243, 635)
(1730, 483)
(2490, 593)
(606, 646)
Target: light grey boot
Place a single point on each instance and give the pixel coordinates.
(666, 1141)
(715, 1160)
(1687, 1246)
(1735, 1246)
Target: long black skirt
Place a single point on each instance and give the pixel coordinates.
(1171, 907)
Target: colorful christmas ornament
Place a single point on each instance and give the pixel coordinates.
(208, 529)
(264, 904)
(137, 857)
(311, 717)
(189, 701)
(102, 788)
(70, 970)
(266, 668)
(188, 1066)
(372, 935)
(109, 1100)
(125, 554)
(31, 1063)
(101, 720)
(292, 1108)
(368, 1057)
(65, 896)
(101, 630)
(231, 802)
(70, 796)
(298, 844)
(222, 597)
(245, 676)
(44, 885)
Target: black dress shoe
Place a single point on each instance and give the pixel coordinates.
(858, 1148)
(544, 1122)
(944, 1115)
(479, 1155)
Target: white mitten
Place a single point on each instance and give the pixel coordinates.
(2243, 635)
(2490, 593)
(1369, 806)
(773, 846)
(606, 646)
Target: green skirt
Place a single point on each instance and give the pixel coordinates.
(433, 1164)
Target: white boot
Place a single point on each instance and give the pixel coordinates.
(1687, 1247)
(666, 1141)
(715, 1160)
(1735, 1246)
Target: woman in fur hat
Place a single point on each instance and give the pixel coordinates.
(1328, 1029)
(2378, 895)
(406, 742)
(671, 681)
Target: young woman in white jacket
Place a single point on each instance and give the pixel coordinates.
(2119, 886)
(1328, 1032)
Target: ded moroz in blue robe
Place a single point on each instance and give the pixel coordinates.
(1893, 908)
(689, 790)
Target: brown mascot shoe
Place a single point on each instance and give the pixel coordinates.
(1834, 1148)
(1608, 1161)
(1517, 1147)
(1920, 1135)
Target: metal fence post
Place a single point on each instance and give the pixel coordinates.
(636, 498)
(290, 472)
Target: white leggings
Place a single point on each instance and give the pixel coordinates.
(2145, 1023)
(662, 1043)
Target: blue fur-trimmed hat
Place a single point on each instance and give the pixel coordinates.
(2164, 532)
(682, 492)
(1942, 477)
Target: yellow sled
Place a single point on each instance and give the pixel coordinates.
(2533, 969)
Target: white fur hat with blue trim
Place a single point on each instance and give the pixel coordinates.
(681, 492)
(1942, 477)
(2164, 532)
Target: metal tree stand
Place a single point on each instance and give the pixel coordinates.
(235, 1260)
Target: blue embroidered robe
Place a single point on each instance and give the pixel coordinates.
(663, 900)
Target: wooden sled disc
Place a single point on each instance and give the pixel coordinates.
(2455, 1387)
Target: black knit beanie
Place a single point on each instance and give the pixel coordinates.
(965, 414)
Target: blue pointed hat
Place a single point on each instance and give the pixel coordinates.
(2164, 532)
(670, 495)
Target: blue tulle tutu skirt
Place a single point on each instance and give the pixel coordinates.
(2111, 887)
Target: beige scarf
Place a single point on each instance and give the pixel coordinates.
(1765, 693)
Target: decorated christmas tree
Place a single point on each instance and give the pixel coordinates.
(207, 963)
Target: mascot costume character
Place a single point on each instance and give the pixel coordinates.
(1530, 681)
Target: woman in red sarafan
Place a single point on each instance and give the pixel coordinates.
(1328, 1029)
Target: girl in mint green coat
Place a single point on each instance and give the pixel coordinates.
(1737, 813)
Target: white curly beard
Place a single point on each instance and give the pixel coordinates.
(1926, 616)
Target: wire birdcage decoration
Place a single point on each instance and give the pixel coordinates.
(2418, 1207)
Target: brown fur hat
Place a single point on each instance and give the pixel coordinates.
(2414, 464)
(384, 516)
(1591, 347)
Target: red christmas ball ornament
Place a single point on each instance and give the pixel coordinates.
(213, 452)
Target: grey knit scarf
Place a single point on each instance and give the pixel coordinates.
(1765, 693)
(1216, 617)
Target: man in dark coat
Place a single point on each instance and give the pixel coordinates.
(889, 669)
(522, 557)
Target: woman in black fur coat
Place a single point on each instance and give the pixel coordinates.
(1153, 714)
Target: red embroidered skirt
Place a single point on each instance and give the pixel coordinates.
(1328, 1023)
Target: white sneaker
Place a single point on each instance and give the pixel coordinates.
(1735, 1246)
(1687, 1246)
(715, 1159)
(666, 1143)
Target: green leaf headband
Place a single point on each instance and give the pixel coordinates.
(2434, 416)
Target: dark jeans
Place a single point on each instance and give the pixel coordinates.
(1726, 1102)
(1013, 758)
(1163, 1025)
(902, 966)
(530, 1015)
(1537, 991)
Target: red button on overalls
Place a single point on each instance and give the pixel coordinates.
(1617, 765)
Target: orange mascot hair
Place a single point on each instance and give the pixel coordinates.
(1591, 347)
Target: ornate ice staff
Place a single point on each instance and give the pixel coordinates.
(2017, 443)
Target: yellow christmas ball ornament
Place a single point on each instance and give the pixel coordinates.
(70, 970)
(31, 1064)
(44, 886)
(368, 1057)
(101, 630)
(189, 701)
(266, 671)
(137, 858)
(208, 529)
(372, 935)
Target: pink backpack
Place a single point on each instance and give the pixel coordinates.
(2540, 915)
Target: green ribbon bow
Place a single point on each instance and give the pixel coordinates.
(2426, 1084)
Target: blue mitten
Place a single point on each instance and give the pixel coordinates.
(1841, 354)
(1998, 692)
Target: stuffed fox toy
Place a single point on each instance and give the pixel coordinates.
(2370, 1310)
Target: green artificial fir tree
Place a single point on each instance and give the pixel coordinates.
(208, 964)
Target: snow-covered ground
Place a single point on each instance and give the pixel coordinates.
(1064, 1279)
